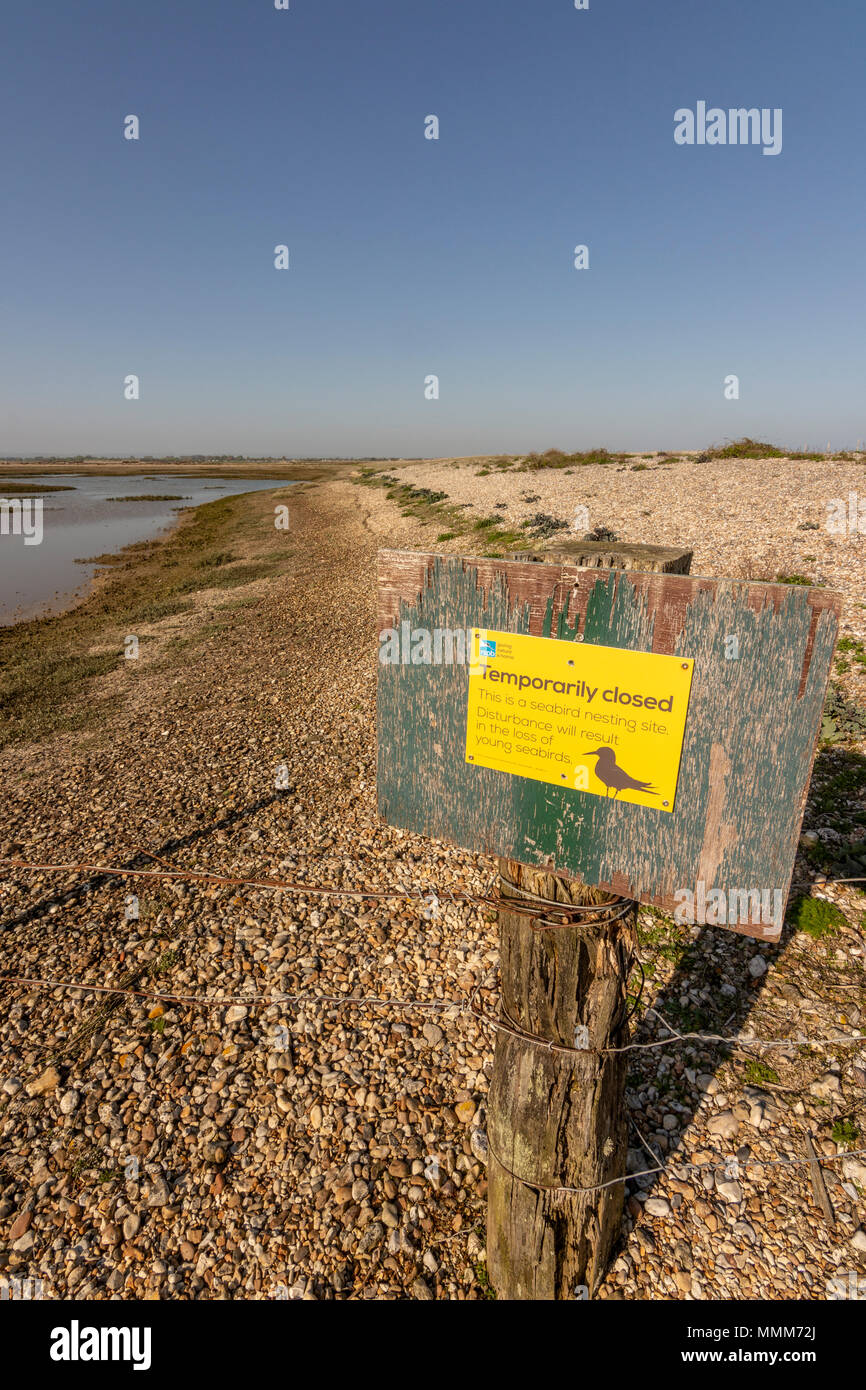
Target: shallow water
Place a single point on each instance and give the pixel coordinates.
(79, 525)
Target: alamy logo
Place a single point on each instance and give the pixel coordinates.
(736, 907)
(850, 519)
(846, 1286)
(22, 516)
(736, 126)
(76, 1343)
(419, 646)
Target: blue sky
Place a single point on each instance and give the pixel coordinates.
(412, 257)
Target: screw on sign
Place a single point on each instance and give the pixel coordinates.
(664, 760)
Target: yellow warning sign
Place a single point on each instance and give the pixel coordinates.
(600, 720)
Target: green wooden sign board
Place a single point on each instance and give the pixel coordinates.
(760, 655)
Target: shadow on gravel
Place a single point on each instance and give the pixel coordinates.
(711, 991)
(138, 861)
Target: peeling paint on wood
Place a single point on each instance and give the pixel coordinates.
(749, 743)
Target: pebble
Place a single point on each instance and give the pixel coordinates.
(20, 1225)
(373, 1234)
(158, 1195)
(730, 1191)
(44, 1084)
(657, 1206)
(826, 1085)
(478, 1144)
(726, 1125)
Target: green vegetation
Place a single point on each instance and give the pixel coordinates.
(816, 917)
(168, 959)
(688, 1018)
(841, 718)
(426, 505)
(555, 458)
(151, 497)
(845, 1132)
(542, 525)
(747, 448)
(792, 579)
(759, 1074)
(662, 935)
(849, 647)
(28, 489)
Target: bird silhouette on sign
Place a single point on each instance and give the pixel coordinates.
(608, 771)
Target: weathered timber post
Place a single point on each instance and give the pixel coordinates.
(556, 1109)
(557, 1118)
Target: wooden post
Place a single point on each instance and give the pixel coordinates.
(557, 1119)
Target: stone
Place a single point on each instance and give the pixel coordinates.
(657, 1206)
(69, 1102)
(478, 1144)
(46, 1083)
(158, 1195)
(236, 1014)
(757, 966)
(20, 1225)
(131, 1226)
(855, 1170)
(374, 1233)
(465, 1111)
(725, 1124)
(858, 1240)
(730, 1191)
(826, 1085)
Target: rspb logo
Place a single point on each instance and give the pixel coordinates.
(487, 647)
